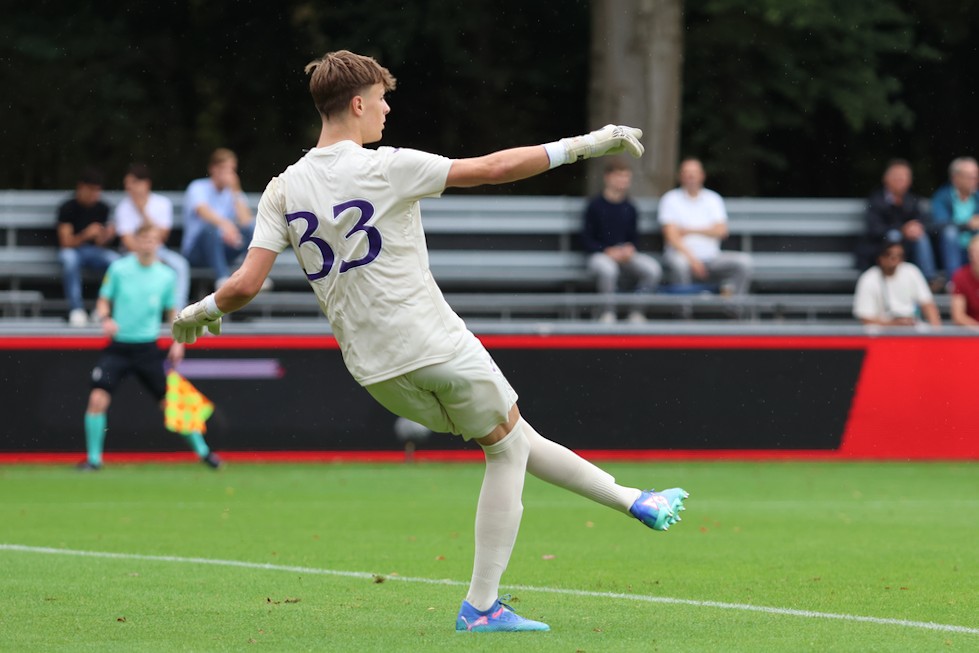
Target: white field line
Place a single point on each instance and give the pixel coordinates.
(925, 625)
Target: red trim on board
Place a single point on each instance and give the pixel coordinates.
(490, 341)
(461, 456)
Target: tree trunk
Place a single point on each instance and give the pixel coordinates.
(636, 66)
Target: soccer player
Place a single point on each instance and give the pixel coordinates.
(135, 293)
(352, 217)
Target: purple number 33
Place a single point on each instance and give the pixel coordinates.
(366, 210)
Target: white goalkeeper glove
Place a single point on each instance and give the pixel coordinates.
(607, 141)
(193, 319)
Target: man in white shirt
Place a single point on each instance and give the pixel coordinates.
(892, 292)
(142, 206)
(694, 223)
(352, 217)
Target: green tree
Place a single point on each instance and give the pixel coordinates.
(768, 80)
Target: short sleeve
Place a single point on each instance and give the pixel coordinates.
(109, 288)
(719, 211)
(666, 211)
(959, 282)
(271, 230)
(64, 213)
(414, 174)
(126, 218)
(922, 293)
(195, 196)
(162, 212)
(864, 303)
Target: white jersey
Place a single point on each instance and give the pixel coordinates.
(351, 215)
(700, 212)
(886, 298)
(159, 209)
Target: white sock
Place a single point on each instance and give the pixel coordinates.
(560, 466)
(498, 514)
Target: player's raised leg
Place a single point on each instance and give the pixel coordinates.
(558, 465)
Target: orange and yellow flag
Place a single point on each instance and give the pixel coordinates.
(186, 410)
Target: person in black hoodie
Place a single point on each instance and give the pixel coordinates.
(896, 215)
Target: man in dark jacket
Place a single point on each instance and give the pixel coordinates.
(895, 214)
(611, 238)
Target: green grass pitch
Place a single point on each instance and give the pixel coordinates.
(839, 556)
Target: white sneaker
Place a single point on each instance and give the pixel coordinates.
(636, 317)
(608, 317)
(78, 317)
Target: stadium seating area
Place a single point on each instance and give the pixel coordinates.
(509, 257)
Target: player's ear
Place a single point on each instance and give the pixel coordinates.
(357, 105)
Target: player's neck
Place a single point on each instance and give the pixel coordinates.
(334, 132)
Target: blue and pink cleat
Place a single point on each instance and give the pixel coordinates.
(659, 510)
(500, 618)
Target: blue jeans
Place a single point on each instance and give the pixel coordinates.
(919, 252)
(74, 260)
(953, 254)
(182, 268)
(208, 250)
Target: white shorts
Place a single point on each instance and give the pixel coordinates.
(466, 395)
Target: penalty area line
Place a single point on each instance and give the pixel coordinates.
(745, 607)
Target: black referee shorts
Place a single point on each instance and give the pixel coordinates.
(120, 359)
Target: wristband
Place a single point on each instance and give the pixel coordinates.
(557, 153)
(211, 309)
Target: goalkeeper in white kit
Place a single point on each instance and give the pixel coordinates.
(352, 217)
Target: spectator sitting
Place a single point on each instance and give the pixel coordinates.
(955, 210)
(965, 289)
(218, 223)
(694, 224)
(83, 233)
(895, 214)
(892, 292)
(611, 236)
(142, 206)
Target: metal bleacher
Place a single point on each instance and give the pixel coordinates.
(508, 257)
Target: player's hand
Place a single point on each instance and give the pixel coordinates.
(194, 319)
(607, 141)
(176, 353)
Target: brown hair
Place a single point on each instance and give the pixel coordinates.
(221, 155)
(146, 228)
(140, 171)
(337, 77)
(615, 165)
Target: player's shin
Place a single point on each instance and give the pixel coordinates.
(498, 515)
(94, 436)
(558, 465)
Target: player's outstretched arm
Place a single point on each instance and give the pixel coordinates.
(239, 289)
(522, 162)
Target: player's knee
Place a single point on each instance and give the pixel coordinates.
(98, 401)
(503, 429)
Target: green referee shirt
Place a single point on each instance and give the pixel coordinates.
(139, 295)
